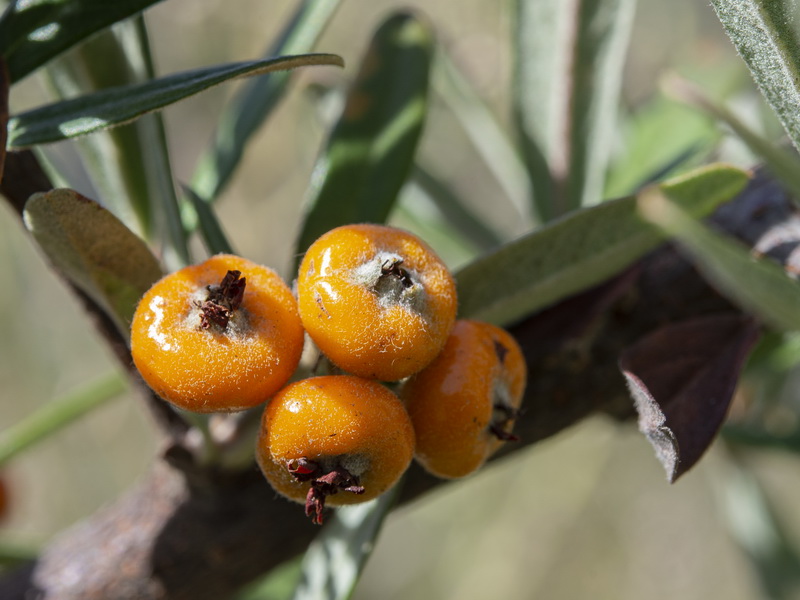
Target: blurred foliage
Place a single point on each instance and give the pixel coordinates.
(530, 112)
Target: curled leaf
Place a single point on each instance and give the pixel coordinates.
(682, 378)
(93, 250)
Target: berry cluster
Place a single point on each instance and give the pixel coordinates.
(227, 335)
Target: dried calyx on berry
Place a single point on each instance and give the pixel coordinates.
(464, 404)
(222, 300)
(334, 440)
(505, 407)
(208, 339)
(391, 284)
(324, 482)
(376, 300)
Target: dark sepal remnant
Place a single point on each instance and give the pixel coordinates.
(503, 417)
(222, 300)
(324, 483)
(391, 268)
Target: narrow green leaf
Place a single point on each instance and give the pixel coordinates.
(488, 138)
(113, 159)
(455, 211)
(371, 149)
(759, 286)
(762, 31)
(115, 106)
(129, 165)
(214, 238)
(334, 560)
(161, 186)
(784, 165)
(33, 32)
(580, 250)
(157, 166)
(684, 137)
(57, 414)
(94, 250)
(777, 352)
(413, 213)
(759, 437)
(256, 100)
(569, 58)
(769, 376)
(757, 527)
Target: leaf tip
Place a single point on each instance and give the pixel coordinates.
(652, 423)
(652, 204)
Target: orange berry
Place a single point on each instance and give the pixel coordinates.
(323, 435)
(376, 300)
(223, 335)
(463, 405)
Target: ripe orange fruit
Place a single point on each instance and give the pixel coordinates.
(463, 405)
(376, 300)
(223, 335)
(331, 434)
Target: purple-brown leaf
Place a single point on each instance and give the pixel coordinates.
(682, 378)
(557, 344)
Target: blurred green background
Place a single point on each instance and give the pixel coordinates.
(586, 514)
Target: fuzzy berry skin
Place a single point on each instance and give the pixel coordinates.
(341, 423)
(463, 404)
(376, 300)
(223, 358)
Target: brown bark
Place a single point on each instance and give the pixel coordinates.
(191, 532)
